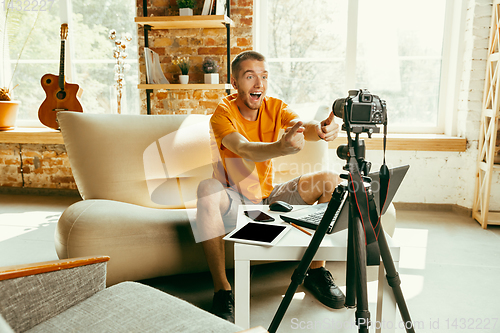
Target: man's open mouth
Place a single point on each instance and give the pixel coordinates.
(256, 95)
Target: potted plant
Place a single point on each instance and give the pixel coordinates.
(210, 68)
(8, 110)
(183, 64)
(185, 7)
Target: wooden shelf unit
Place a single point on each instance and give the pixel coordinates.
(185, 22)
(488, 131)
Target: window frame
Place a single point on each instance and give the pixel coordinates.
(451, 60)
(65, 16)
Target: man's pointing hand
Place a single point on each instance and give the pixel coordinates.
(293, 139)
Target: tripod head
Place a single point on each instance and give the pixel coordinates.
(355, 148)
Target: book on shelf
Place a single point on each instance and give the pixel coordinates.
(154, 74)
(207, 6)
(220, 7)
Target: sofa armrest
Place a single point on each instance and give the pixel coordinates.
(33, 293)
(12, 272)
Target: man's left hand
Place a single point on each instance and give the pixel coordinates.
(328, 130)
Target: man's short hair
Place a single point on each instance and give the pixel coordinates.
(245, 55)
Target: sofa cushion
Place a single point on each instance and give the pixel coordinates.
(134, 307)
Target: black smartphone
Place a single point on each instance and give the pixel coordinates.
(258, 216)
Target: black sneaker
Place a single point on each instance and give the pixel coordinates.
(320, 282)
(223, 305)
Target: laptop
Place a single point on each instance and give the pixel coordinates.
(310, 216)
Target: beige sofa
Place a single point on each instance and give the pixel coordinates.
(138, 177)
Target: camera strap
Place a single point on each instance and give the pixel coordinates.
(362, 200)
(385, 179)
(371, 238)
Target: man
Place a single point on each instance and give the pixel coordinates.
(245, 127)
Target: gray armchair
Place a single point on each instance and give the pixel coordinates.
(71, 296)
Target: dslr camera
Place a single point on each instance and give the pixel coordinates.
(361, 111)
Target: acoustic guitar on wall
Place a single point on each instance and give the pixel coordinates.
(60, 96)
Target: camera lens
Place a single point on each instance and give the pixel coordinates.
(338, 107)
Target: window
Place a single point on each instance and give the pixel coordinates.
(89, 52)
(317, 50)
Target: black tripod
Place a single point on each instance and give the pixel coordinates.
(363, 238)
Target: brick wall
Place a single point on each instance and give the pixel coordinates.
(195, 44)
(35, 166)
(10, 165)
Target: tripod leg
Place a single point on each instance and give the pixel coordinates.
(300, 273)
(394, 281)
(350, 289)
(362, 313)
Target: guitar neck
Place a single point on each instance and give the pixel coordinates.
(61, 67)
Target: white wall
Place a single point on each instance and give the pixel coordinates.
(448, 177)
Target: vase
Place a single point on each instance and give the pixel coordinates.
(8, 114)
(212, 78)
(122, 107)
(185, 12)
(184, 79)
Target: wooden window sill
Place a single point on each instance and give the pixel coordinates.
(415, 142)
(37, 135)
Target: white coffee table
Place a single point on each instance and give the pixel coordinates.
(292, 247)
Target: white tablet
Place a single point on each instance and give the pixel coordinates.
(258, 233)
